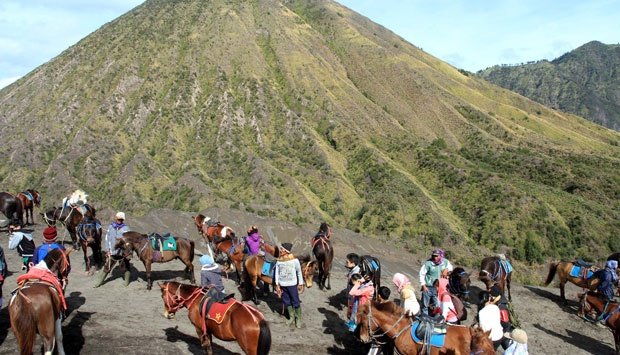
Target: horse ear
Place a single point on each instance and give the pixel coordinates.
(161, 286)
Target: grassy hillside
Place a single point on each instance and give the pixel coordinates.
(306, 111)
(585, 82)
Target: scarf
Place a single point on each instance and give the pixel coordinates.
(117, 225)
(400, 281)
(441, 254)
(612, 265)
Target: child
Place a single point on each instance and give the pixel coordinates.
(384, 344)
(519, 342)
(352, 264)
(383, 295)
(446, 307)
(407, 295)
(362, 291)
(254, 241)
(210, 275)
(24, 244)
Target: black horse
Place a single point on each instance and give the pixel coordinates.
(370, 268)
(69, 217)
(458, 284)
(12, 208)
(324, 253)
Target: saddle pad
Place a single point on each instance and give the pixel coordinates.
(437, 340)
(166, 243)
(576, 271)
(217, 313)
(267, 267)
(506, 265)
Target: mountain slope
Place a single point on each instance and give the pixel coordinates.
(585, 82)
(307, 111)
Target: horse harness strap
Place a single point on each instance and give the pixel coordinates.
(375, 336)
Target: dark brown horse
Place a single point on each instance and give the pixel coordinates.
(37, 308)
(563, 269)
(495, 270)
(12, 208)
(591, 303)
(69, 217)
(89, 234)
(242, 323)
(459, 283)
(140, 243)
(29, 199)
(375, 319)
(370, 268)
(233, 251)
(323, 251)
(253, 271)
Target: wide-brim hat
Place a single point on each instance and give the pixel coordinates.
(518, 335)
(120, 215)
(50, 234)
(287, 246)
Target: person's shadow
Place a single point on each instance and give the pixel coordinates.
(347, 341)
(5, 324)
(72, 332)
(584, 342)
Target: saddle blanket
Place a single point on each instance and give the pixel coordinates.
(577, 271)
(437, 340)
(163, 243)
(218, 310)
(506, 265)
(268, 268)
(40, 272)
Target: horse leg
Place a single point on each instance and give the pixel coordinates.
(86, 259)
(48, 333)
(329, 284)
(149, 282)
(205, 342)
(562, 282)
(58, 335)
(254, 284)
(508, 277)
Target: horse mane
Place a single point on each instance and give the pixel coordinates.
(324, 228)
(303, 258)
(133, 237)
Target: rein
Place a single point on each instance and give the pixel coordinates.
(375, 336)
(180, 301)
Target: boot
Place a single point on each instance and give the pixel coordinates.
(291, 315)
(127, 276)
(298, 317)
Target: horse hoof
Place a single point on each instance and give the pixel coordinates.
(328, 288)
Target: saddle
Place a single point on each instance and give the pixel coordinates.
(429, 330)
(222, 302)
(582, 263)
(212, 222)
(163, 243)
(268, 267)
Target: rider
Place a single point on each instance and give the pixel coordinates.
(49, 243)
(289, 282)
(23, 242)
(210, 275)
(432, 269)
(608, 278)
(115, 231)
(446, 306)
(362, 291)
(254, 241)
(410, 303)
(489, 319)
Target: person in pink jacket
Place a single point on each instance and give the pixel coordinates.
(448, 311)
(362, 291)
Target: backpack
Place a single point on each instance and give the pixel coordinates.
(459, 308)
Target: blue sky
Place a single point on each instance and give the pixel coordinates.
(469, 34)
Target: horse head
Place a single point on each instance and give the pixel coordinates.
(198, 220)
(58, 262)
(459, 283)
(169, 293)
(308, 270)
(51, 216)
(363, 320)
(36, 197)
(126, 246)
(481, 342)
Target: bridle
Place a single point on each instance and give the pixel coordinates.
(178, 300)
(50, 222)
(458, 287)
(374, 336)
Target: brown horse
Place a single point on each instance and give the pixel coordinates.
(494, 270)
(37, 308)
(323, 251)
(29, 199)
(458, 283)
(593, 303)
(563, 269)
(233, 250)
(69, 217)
(242, 323)
(375, 319)
(12, 208)
(89, 233)
(253, 271)
(141, 244)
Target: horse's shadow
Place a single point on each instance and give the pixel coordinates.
(579, 340)
(335, 326)
(568, 306)
(72, 332)
(5, 324)
(193, 344)
(160, 275)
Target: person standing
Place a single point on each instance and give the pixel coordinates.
(435, 267)
(489, 319)
(289, 282)
(115, 231)
(24, 244)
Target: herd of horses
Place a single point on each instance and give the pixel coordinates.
(37, 307)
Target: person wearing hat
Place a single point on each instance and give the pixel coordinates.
(115, 231)
(489, 319)
(432, 269)
(23, 242)
(210, 274)
(519, 342)
(289, 282)
(254, 241)
(49, 243)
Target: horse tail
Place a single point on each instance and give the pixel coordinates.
(264, 338)
(552, 269)
(24, 323)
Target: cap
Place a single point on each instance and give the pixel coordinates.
(50, 234)
(518, 335)
(120, 215)
(287, 246)
(206, 260)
